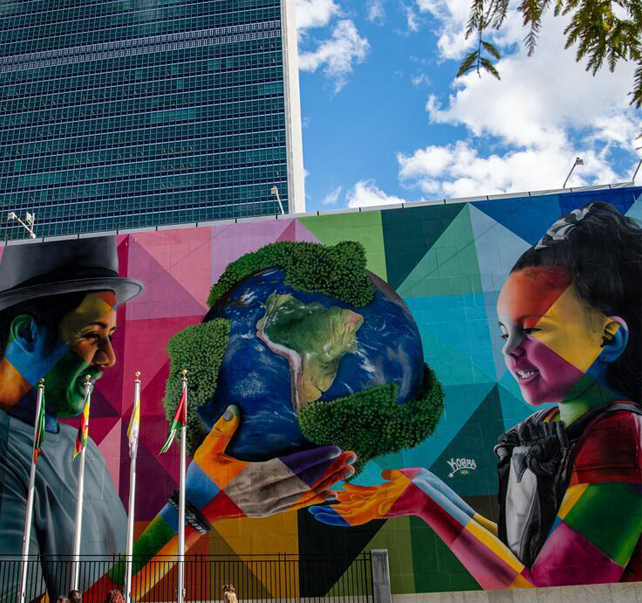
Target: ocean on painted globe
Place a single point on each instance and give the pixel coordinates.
(289, 348)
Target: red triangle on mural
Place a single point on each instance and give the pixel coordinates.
(223, 507)
(157, 479)
(147, 350)
(99, 427)
(100, 404)
(154, 392)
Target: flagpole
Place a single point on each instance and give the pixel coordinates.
(181, 503)
(133, 453)
(26, 538)
(80, 490)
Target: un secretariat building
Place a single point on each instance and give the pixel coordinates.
(129, 113)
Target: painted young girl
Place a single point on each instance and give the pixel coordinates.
(570, 476)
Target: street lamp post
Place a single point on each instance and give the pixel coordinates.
(28, 223)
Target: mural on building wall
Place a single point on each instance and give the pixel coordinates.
(417, 341)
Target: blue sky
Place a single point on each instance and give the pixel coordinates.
(384, 120)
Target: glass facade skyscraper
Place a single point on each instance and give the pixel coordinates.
(121, 114)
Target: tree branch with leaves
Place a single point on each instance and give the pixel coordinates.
(601, 38)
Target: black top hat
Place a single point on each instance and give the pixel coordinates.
(35, 270)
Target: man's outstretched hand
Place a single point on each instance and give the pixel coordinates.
(222, 487)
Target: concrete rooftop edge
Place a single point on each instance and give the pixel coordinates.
(291, 216)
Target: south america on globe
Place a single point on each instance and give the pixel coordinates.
(306, 367)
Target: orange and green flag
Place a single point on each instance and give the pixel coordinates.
(180, 419)
(83, 430)
(40, 431)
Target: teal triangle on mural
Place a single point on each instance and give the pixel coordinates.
(460, 323)
(635, 211)
(527, 217)
(468, 464)
(449, 267)
(498, 248)
(459, 403)
(494, 333)
(410, 232)
(452, 366)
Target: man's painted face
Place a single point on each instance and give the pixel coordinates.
(551, 338)
(87, 333)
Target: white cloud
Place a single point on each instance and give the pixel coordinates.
(412, 21)
(332, 197)
(457, 170)
(366, 193)
(545, 111)
(375, 11)
(421, 79)
(338, 54)
(451, 15)
(314, 13)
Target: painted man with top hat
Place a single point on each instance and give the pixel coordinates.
(57, 318)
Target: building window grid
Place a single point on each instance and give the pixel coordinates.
(6, 23)
(230, 139)
(153, 185)
(255, 60)
(98, 57)
(143, 30)
(87, 70)
(126, 171)
(226, 142)
(190, 98)
(42, 132)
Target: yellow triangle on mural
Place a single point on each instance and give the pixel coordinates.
(252, 539)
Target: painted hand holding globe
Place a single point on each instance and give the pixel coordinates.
(223, 487)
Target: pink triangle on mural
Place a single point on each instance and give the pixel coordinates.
(110, 447)
(231, 241)
(289, 234)
(185, 254)
(303, 234)
(163, 295)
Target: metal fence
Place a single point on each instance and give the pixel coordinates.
(280, 577)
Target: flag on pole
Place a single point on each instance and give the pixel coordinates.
(134, 424)
(40, 431)
(180, 419)
(83, 430)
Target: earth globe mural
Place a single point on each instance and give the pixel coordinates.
(313, 349)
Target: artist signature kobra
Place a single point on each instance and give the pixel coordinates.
(462, 466)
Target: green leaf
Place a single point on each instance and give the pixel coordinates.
(467, 64)
(490, 49)
(488, 66)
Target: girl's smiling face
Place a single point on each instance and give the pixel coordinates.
(551, 338)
